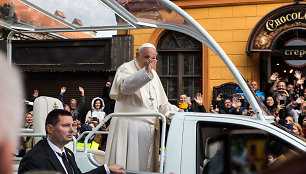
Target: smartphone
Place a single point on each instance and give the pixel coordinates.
(188, 99)
(289, 126)
(236, 95)
(281, 102)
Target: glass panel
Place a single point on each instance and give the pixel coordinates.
(154, 12)
(192, 64)
(174, 39)
(64, 14)
(7, 12)
(186, 41)
(167, 42)
(170, 86)
(169, 64)
(150, 11)
(192, 86)
(80, 12)
(22, 14)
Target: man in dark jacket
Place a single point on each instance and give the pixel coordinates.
(230, 107)
(51, 155)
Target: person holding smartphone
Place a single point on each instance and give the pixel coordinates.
(96, 114)
(281, 96)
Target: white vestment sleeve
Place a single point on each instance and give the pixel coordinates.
(134, 82)
(291, 111)
(168, 107)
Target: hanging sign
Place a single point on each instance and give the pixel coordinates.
(274, 24)
(294, 55)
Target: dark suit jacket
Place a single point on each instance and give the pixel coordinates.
(42, 157)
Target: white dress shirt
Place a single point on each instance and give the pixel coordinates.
(57, 151)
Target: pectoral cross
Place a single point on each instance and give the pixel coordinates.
(151, 98)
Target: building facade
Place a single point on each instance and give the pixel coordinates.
(187, 66)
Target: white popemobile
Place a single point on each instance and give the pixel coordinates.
(197, 142)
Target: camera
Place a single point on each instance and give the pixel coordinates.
(75, 116)
(250, 112)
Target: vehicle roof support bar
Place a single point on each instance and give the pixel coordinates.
(213, 45)
(9, 47)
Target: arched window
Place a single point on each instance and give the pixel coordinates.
(179, 65)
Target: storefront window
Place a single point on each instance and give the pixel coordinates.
(288, 55)
(180, 65)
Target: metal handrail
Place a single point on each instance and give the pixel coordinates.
(87, 132)
(75, 141)
(25, 134)
(26, 130)
(163, 134)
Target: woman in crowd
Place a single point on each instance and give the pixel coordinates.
(297, 129)
(298, 113)
(289, 119)
(271, 105)
(184, 102)
(26, 142)
(96, 113)
(29, 120)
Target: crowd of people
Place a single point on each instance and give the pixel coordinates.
(137, 88)
(93, 117)
(284, 101)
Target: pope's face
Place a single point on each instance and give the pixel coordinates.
(144, 55)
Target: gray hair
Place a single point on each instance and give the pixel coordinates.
(146, 45)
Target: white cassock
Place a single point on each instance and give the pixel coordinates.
(130, 140)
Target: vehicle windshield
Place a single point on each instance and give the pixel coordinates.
(97, 15)
(61, 16)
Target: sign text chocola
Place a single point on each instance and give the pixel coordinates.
(274, 24)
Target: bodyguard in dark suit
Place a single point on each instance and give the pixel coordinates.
(51, 155)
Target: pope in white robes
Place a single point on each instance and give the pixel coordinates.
(136, 88)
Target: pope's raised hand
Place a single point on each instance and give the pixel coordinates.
(150, 64)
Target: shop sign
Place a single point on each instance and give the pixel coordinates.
(274, 24)
(294, 55)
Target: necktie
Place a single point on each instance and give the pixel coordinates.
(66, 163)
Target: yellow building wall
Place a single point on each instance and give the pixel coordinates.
(230, 26)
